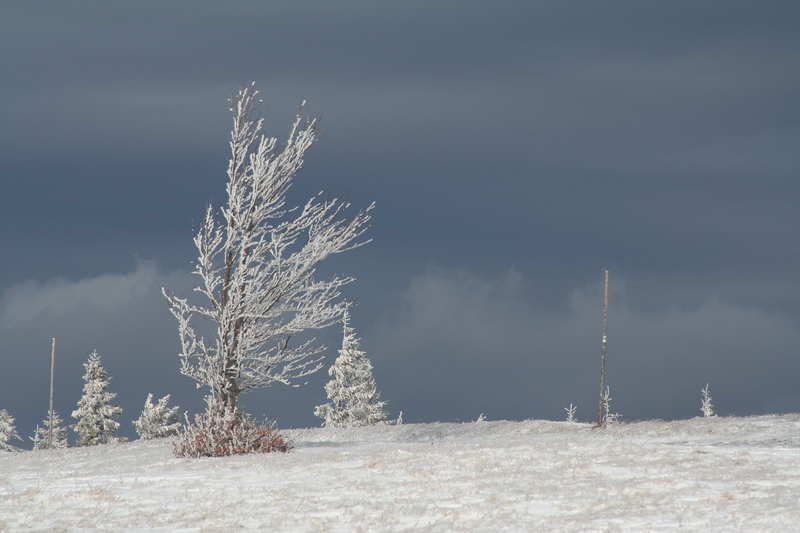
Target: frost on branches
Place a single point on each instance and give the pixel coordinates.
(256, 264)
(42, 434)
(353, 398)
(95, 415)
(157, 420)
(222, 431)
(706, 406)
(608, 416)
(8, 431)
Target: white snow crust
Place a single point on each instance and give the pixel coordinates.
(703, 474)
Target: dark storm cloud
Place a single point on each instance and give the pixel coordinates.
(459, 343)
(519, 147)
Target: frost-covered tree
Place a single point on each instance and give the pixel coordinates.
(571, 412)
(354, 400)
(608, 416)
(96, 416)
(707, 407)
(8, 431)
(157, 420)
(41, 435)
(257, 263)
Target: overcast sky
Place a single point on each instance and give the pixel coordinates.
(515, 151)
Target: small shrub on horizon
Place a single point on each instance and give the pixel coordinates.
(221, 432)
(608, 417)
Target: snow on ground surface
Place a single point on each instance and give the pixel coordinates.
(704, 474)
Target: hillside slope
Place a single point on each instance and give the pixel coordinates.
(722, 474)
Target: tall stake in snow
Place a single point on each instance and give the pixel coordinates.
(603, 356)
(52, 372)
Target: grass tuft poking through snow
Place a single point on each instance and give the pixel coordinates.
(703, 474)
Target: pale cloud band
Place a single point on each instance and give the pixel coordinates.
(456, 345)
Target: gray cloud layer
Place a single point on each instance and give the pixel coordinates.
(457, 345)
(465, 344)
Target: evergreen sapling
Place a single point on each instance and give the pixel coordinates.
(157, 420)
(40, 436)
(354, 401)
(96, 416)
(8, 431)
(707, 407)
(571, 413)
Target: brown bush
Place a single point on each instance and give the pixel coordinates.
(219, 432)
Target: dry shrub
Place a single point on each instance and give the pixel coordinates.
(219, 432)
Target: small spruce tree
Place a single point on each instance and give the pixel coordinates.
(571, 413)
(41, 435)
(96, 416)
(8, 431)
(354, 401)
(157, 420)
(707, 407)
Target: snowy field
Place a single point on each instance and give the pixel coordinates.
(715, 474)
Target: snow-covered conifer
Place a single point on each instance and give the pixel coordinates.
(41, 436)
(707, 407)
(571, 412)
(95, 415)
(353, 398)
(8, 431)
(157, 420)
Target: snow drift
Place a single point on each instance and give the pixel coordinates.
(723, 474)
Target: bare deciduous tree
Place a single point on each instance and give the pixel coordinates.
(257, 262)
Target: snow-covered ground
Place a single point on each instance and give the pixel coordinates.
(704, 474)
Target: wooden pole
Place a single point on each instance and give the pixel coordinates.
(52, 372)
(603, 356)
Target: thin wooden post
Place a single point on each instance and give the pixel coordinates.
(52, 372)
(603, 355)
